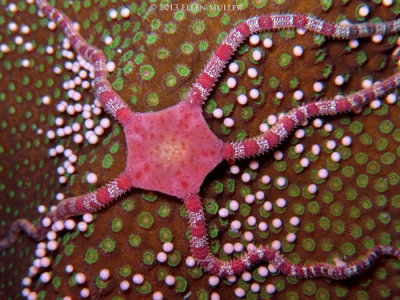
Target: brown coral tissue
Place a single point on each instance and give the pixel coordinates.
(241, 149)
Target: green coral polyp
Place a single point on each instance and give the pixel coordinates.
(203, 46)
(362, 180)
(309, 227)
(174, 258)
(183, 70)
(69, 249)
(356, 127)
(313, 207)
(147, 72)
(170, 80)
(384, 217)
(116, 224)
(393, 178)
(101, 284)
(386, 127)
(187, 48)
(366, 139)
(327, 197)
(148, 258)
(336, 209)
(56, 282)
(145, 220)
(348, 249)
(309, 288)
(128, 205)
(326, 245)
(125, 270)
(198, 27)
(211, 206)
(285, 59)
(162, 274)
(164, 211)
(388, 158)
(170, 28)
(308, 244)
(298, 209)
(381, 200)
(165, 235)
(324, 223)
(135, 240)
(351, 194)
(373, 167)
(244, 209)
(381, 185)
(180, 284)
(335, 184)
(107, 161)
(396, 201)
(145, 288)
(107, 245)
(162, 53)
(179, 15)
(153, 99)
(348, 171)
(322, 294)
(338, 227)
(91, 256)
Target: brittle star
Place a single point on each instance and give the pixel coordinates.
(172, 151)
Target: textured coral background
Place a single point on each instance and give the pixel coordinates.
(345, 218)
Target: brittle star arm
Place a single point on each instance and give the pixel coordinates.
(208, 77)
(93, 201)
(111, 101)
(280, 131)
(215, 266)
(79, 205)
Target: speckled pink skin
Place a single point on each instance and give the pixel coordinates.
(171, 151)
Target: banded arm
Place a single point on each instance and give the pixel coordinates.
(202, 87)
(111, 101)
(79, 205)
(214, 266)
(280, 131)
(94, 201)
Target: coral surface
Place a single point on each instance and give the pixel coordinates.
(327, 194)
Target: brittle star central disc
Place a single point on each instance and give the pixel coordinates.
(171, 151)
